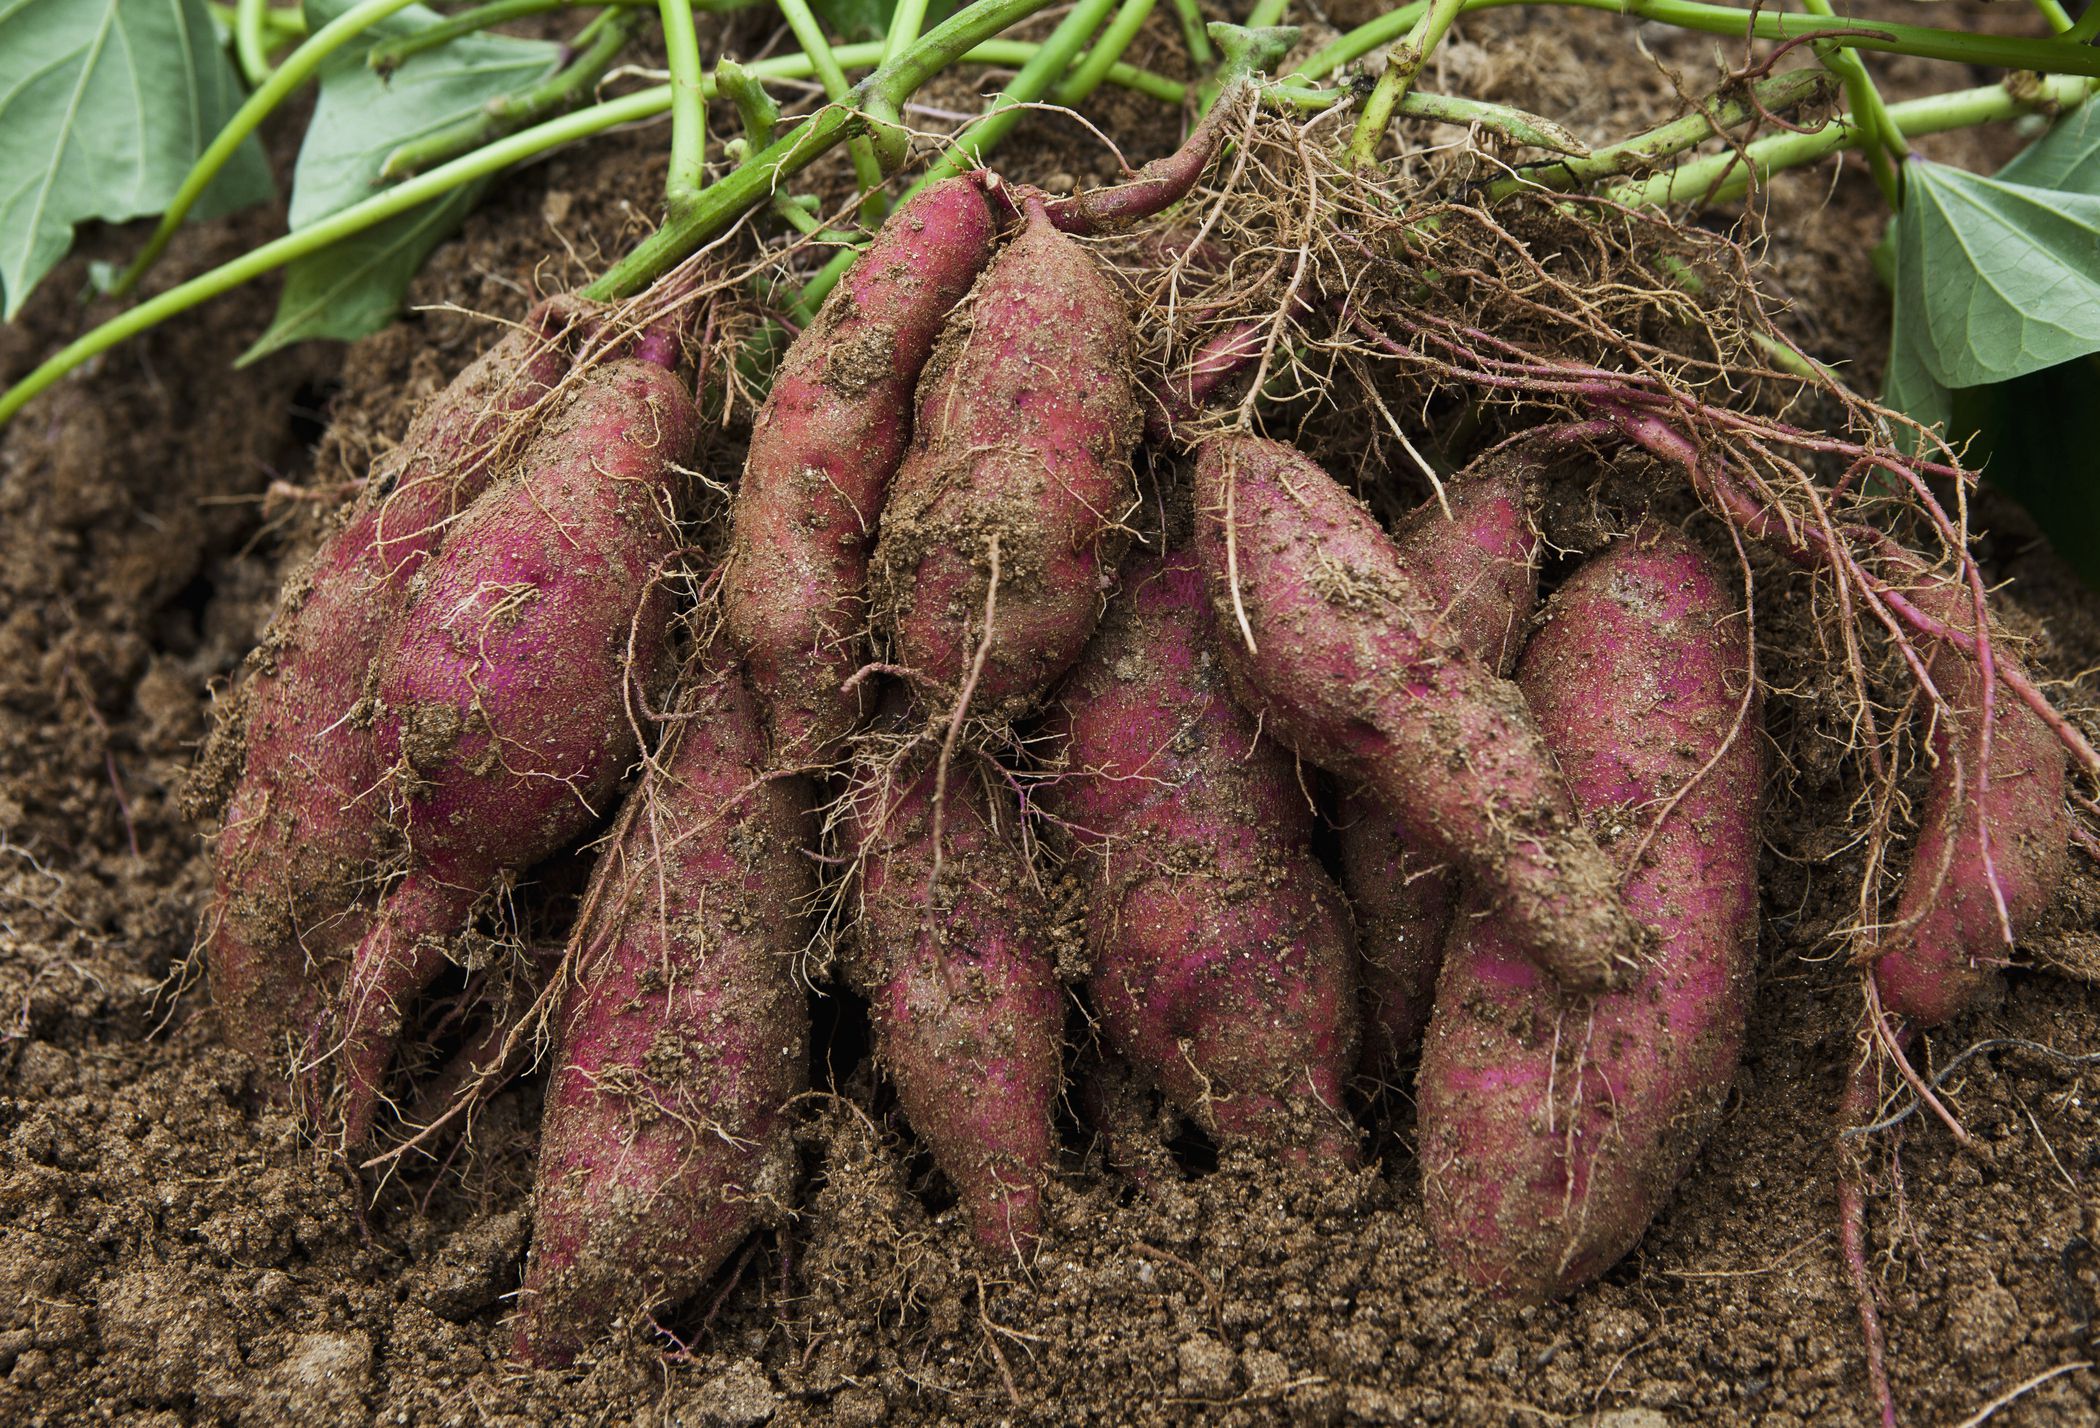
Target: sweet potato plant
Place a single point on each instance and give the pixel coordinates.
(1292, 619)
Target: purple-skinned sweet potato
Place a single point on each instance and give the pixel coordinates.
(506, 707)
(304, 834)
(1350, 664)
(1161, 183)
(1953, 917)
(1553, 1126)
(1479, 559)
(1020, 459)
(964, 1000)
(683, 1035)
(1220, 949)
(824, 448)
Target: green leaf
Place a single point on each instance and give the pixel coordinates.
(1997, 323)
(1908, 386)
(2065, 158)
(857, 20)
(353, 288)
(104, 106)
(853, 20)
(362, 116)
(1996, 279)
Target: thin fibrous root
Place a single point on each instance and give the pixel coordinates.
(1861, 1100)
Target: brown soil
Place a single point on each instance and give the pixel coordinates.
(174, 1250)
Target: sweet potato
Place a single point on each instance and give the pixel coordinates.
(505, 715)
(1950, 935)
(823, 451)
(1161, 183)
(1553, 1126)
(1344, 657)
(1478, 559)
(1220, 949)
(683, 1035)
(1020, 459)
(302, 835)
(960, 986)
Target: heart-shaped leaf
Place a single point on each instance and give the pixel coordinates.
(1996, 279)
(104, 107)
(362, 116)
(355, 287)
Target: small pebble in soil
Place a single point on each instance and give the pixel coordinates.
(1206, 1368)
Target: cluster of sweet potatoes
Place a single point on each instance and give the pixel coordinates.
(447, 694)
(1332, 795)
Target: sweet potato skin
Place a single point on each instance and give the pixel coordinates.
(301, 835)
(1948, 938)
(505, 714)
(964, 1000)
(1474, 552)
(683, 1034)
(1220, 949)
(1350, 666)
(824, 448)
(1554, 1126)
(1025, 425)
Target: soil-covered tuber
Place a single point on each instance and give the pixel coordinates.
(950, 951)
(506, 713)
(294, 874)
(1343, 655)
(1476, 553)
(1554, 1125)
(823, 451)
(1220, 948)
(1019, 468)
(683, 1033)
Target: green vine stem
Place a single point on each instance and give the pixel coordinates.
(278, 24)
(970, 35)
(1201, 55)
(755, 108)
(602, 41)
(688, 172)
(721, 203)
(1244, 51)
(906, 21)
(2061, 54)
(1115, 41)
(1720, 177)
(251, 43)
(1401, 67)
(760, 118)
(526, 144)
(1775, 94)
(2065, 54)
(288, 76)
(961, 38)
(2054, 13)
(891, 140)
(1880, 140)
(796, 215)
(1533, 130)
(389, 55)
(866, 167)
(1030, 84)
